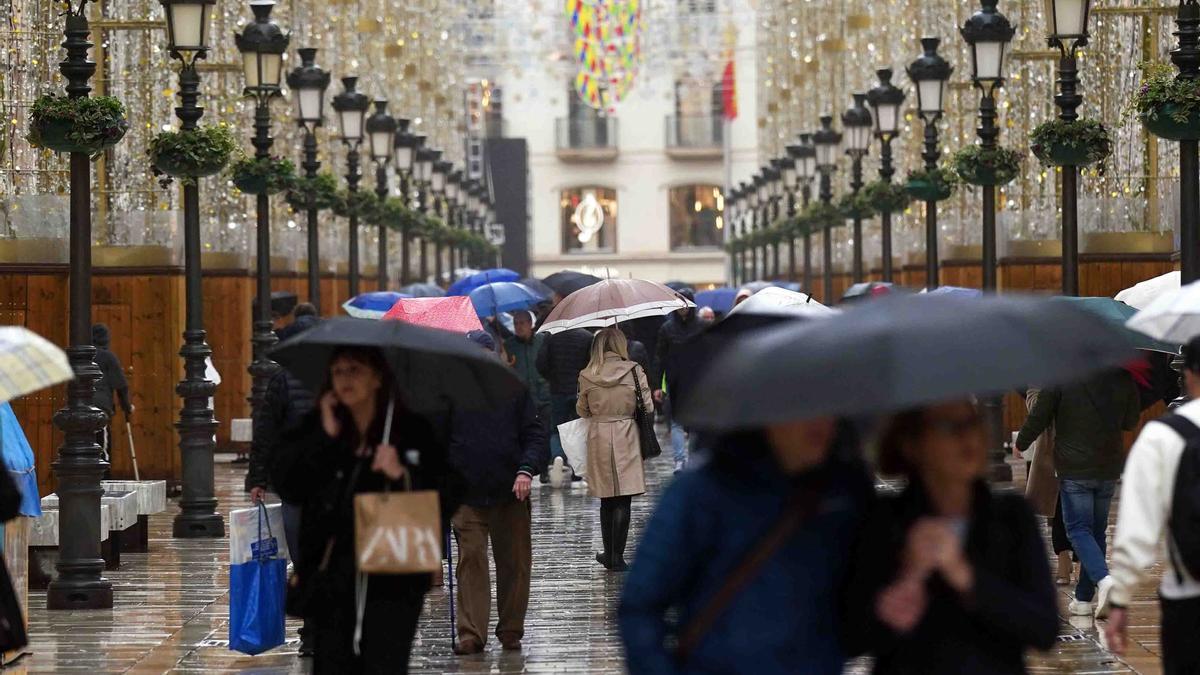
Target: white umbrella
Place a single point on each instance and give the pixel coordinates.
(612, 300)
(1172, 317)
(775, 301)
(1140, 295)
(29, 362)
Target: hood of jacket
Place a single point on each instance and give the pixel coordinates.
(611, 372)
(301, 324)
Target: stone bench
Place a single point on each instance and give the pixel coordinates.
(151, 498)
(43, 542)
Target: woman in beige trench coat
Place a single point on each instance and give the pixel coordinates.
(614, 456)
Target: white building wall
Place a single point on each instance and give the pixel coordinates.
(642, 173)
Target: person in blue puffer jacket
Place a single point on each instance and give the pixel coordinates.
(781, 616)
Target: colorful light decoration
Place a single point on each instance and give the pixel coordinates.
(608, 49)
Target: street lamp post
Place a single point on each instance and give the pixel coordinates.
(310, 81)
(381, 137)
(857, 122)
(791, 182)
(425, 159)
(805, 155)
(437, 184)
(988, 33)
(1186, 58)
(746, 210)
(262, 44)
(187, 36)
(758, 201)
(80, 583)
(351, 108)
(453, 196)
(731, 232)
(826, 142)
(930, 73)
(774, 178)
(1068, 22)
(885, 101)
(404, 159)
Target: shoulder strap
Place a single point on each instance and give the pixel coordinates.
(1182, 426)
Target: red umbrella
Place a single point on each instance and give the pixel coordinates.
(454, 313)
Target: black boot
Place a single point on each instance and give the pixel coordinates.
(620, 528)
(606, 530)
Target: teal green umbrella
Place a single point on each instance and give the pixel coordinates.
(1117, 313)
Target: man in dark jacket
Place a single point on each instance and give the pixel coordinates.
(1089, 453)
(562, 357)
(496, 454)
(112, 385)
(682, 326)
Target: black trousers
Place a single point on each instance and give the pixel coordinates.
(389, 626)
(1180, 629)
(1058, 531)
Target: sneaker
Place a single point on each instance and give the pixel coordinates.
(557, 469)
(679, 464)
(1080, 608)
(544, 477)
(1102, 590)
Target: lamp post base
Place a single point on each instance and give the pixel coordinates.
(91, 593)
(198, 526)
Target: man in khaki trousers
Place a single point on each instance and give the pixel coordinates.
(496, 453)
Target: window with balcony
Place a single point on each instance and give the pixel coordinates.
(585, 134)
(589, 219)
(696, 130)
(697, 217)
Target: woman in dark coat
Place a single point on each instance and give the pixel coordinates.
(332, 454)
(949, 577)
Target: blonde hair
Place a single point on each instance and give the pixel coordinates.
(606, 340)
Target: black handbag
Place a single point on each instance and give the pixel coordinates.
(648, 439)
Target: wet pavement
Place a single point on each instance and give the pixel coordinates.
(172, 606)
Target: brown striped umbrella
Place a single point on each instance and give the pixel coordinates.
(610, 301)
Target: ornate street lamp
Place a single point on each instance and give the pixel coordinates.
(885, 100)
(774, 183)
(745, 210)
(758, 201)
(791, 183)
(730, 233)
(262, 44)
(310, 81)
(453, 195)
(79, 465)
(857, 122)
(187, 40)
(930, 73)
(1068, 24)
(351, 108)
(404, 159)
(424, 174)
(381, 141)
(827, 142)
(805, 155)
(1186, 58)
(441, 170)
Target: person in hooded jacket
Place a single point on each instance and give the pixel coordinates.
(561, 358)
(608, 389)
(112, 387)
(680, 327)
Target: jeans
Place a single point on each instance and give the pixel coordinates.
(562, 410)
(1085, 513)
(683, 442)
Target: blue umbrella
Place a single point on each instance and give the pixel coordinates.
(720, 299)
(957, 291)
(423, 290)
(503, 296)
(465, 285)
(372, 305)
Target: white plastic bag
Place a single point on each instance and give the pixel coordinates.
(573, 436)
(244, 538)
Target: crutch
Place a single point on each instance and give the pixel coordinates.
(132, 451)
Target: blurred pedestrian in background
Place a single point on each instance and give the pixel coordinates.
(1089, 450)
(749, 552)
(1151, 487)
(560, 360)
(111, 388)
(522, 349)
(680, 327)
(305, 316)
(949, 577)
(608, 389)
(496, 453)
(1041, 489)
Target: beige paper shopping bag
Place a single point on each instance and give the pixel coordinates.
(398, 532)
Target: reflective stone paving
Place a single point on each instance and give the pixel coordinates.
(172, 605)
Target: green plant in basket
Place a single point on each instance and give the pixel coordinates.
(319, 192)
(820, 216)
(1070, 143)
(191, 154)
(852, 205)
(978, 165)
(886, 196)
(263, 176)
(359, 204)
(395, 215)
(434, 229)
(931, 185)
(88, 124)
(1168, 106)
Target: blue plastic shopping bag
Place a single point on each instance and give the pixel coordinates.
(256, 596)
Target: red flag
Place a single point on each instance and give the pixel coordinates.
(729, 91)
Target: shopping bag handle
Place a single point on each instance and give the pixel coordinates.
(262, 515)
(387, 436)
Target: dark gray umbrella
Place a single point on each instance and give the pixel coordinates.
(897, 353)
(566, 282)
(423, 290)
(538, 287)
(434, 369)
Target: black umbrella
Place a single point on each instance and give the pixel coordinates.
(566, 282)
(897, 353)
(423, 290)
(677, 285)
(434, 369)
(282, 303)
(537, 287)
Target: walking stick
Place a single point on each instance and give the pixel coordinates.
(132, 451)
(450, 586)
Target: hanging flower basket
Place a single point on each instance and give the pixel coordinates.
(1173, 123)
(1167, 106)
(855, 206)
(192, 154)
(820, 216)
(1070, 143)
(319, 192)
(265, 176)
(88, 124)
(886, 197)
(396, 216)
(931, 185)
(977, 165)
(359, 204)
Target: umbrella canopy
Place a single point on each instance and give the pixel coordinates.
(784, 303)
(434, 370)
(566, 282)
(955, 290)
(503, 296)
(29, 362)
(1116, 314)
(898, 353)
(538, 287)
(720, 299)
(423, 291)
(454, 313)
(1140, 295)
(869, 289)
(612, 300)
(756, 286)
(1172, 317)
(677, 285)
(282, 303)
(372, 305)
(465, 285)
